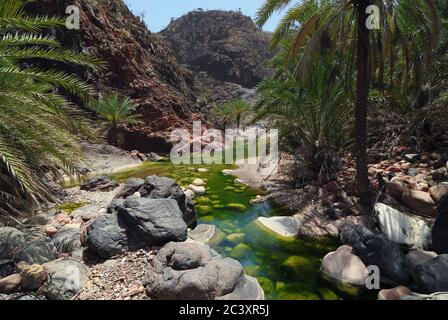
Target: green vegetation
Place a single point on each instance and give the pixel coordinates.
(69, 207)
(37, 125)
(116, 114)
(394, 59)
(233, 112)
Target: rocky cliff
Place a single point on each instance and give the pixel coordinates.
(225, 44)
(139, 65)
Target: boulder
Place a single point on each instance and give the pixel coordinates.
(33, 277)
(375, 249)
(437, 192)
(101, 183)
(439, 174)
(198, 182)
(419, 201)
(431, 276)
(66, 278)
(10, 240)
(190, 270)
(417, 257)
(394, 293)
(440, 227)
(401, 228)
(197, 190)
(158, 221)
(283, 226)
(108, 235)
(67, 240)
(207, 234)
(395, 188)
(131, 186)
(36, 251)
(344, 267)
(10, 284)
(137, 223)
(155, 187)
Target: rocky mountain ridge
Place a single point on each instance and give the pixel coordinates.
(225, 44)
(139, 65)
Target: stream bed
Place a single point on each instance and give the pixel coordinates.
(286, 268)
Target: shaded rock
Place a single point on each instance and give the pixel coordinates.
(33, 277)
(10, 240)
(207, 234)
(439, 174)
(440, 227)
(395, 188)
(419, 201)
(67, 240)
(66, 278)
(101, 183)
(10, 284)
(344, 267)
(437, 192)
(401, 228)
(36, 251)
(108, 235)
(283, 226)
(374, 249)
(432, 275)
(7, 267)
(394, 293)
(192, 271)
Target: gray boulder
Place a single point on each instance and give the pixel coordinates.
(374, 249)
(67, 240)
(192, 271)
(36, 251)
(158, 221)
(108, 235)
(136, 223)
(10, 240)
(66, 278)
(440, 228)
(431, 276)
(156, 187)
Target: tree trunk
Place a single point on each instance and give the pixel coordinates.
(361, 106)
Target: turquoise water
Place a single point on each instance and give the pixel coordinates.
(287, 269)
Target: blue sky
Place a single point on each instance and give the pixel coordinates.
(159, 12)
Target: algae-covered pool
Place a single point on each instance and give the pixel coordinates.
(287, 269)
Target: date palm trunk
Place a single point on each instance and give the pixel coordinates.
(361, 105)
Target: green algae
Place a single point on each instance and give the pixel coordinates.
(286, 268)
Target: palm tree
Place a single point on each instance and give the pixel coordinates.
(339, 26)
(37, 125)
(239, 109)
(116, 114)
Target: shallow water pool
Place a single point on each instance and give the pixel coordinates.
(287, 269)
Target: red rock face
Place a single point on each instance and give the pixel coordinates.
(139, 64)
